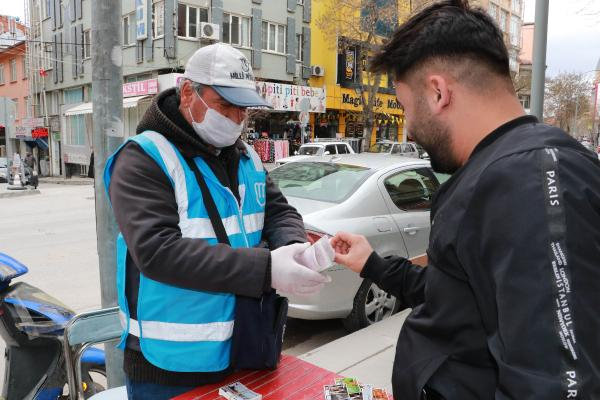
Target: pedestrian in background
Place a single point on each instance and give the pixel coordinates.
(508, 306)
(177, 286)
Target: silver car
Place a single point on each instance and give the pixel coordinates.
(3, 170)
(387, 199)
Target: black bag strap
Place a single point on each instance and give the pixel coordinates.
(209, 203)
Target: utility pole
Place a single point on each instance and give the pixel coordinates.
(107, 92)
(540, 39)
(9, 125)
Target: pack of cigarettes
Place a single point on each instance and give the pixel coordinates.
(237, 391)
(351, 389)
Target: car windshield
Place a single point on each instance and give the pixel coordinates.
(2, 162)
(320, 181)
(380, 148)
(309, 150)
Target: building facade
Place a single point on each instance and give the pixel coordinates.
(158, 37)
(14, 86)
(336, 63)
(523, 79)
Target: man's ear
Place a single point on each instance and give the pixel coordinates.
(186, 93)
(438, 93)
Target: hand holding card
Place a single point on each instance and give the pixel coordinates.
(319, 256)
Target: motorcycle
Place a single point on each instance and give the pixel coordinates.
(20, 178)
(32, 325)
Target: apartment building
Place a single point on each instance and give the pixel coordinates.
(158, 37)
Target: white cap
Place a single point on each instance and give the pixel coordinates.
(227, 71)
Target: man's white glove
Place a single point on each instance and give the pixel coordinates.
(288, 276)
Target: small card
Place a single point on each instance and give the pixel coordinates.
(237, 391)
(335, 392)
(380, 394)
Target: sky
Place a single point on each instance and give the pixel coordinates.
(573, 32)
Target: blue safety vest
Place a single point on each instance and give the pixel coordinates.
(180, 329)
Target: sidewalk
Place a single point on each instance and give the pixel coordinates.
(367, 355)
(75, 180)
(5, 193)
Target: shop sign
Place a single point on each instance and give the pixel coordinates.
(33, 122)
(357, 102)
(76, 158)
(284, 97)
(22, 132)
(140, 16)
(141, 88)
(350, 64)
(167, 81)
(54, 124)
(39, 133)
(56, 136)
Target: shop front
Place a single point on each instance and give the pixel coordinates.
(344, 116)
(77, 122)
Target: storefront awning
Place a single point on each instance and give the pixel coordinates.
(42, 143)
(86, 108)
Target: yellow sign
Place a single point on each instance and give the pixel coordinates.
(348, 99)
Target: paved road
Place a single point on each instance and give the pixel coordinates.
(54, 234)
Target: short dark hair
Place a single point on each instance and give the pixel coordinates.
(450, 31)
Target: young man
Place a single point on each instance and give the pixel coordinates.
(176, 284)
(508, 306)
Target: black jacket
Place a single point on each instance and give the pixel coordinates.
(145, 209)
(508, 307)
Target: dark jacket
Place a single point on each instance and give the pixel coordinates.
(508, 307)
(145, 209)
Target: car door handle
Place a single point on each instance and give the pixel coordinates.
(412, 230)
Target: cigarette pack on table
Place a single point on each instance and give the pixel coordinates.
(335, 392)
(237, 391)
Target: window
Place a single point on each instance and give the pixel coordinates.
(1, 74)
(86, 42)
(16, 101)
(189, 19)
(514, 30)
(236, 30)
(330, 148)
(413, 189)
(13, 69)
(516, 6)
(273, 37)
(47, 7)
(299, 47)
(321, 181)
(158, 19)
(503, 19)
(493, 10)
(129, 30)
(524, 99)
(342, 149)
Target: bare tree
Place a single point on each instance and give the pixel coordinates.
(362, 26)
(568, 103)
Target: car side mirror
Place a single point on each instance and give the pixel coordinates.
(326, 153)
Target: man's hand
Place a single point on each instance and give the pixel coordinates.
(288, 276)
(351, 250)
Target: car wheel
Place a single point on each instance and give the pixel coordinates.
(371, 305)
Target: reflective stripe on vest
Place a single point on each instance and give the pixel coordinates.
(174, 332)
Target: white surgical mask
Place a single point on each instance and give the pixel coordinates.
(216, 129)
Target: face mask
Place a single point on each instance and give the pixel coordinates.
(216, 129)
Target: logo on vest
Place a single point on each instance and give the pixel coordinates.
(261, 193)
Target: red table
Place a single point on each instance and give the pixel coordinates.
(294, 379)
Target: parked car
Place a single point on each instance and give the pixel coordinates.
(3, 170)
(407, 149)
(387, 199)
(318, 149)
